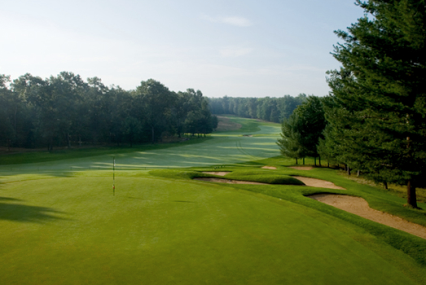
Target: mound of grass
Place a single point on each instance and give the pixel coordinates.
(178, 174)
(236, 175)
(264, 177)
(412, 245)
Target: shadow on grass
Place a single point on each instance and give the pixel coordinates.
(9, 199)
(26, 213)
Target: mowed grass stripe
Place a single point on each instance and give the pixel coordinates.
(220, 148)
(164, 231)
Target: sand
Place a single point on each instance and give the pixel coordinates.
(301, 167)
(222, 180)
(359, 206)
(220, 173)
(318, 183)
(269, 167)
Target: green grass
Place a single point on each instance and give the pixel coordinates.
(62, 154)
(72, 230)
(228, 148)
(60, 223)
(247, 125)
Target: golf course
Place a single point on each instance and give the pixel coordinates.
(61, 222)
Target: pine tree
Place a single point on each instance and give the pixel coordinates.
(290, 142)
(380, 92)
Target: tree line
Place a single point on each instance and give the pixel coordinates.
(64, 110)
(374, 119)
(268, 109)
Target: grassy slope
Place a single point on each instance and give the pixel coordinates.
(64, 227)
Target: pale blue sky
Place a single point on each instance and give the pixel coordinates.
(235, 48)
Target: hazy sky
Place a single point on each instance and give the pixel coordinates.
(235, 48)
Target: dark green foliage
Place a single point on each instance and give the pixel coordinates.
(290, 142)
(378, 107)
(301, 132)
(66, 111)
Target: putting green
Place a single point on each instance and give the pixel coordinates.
(73, 231)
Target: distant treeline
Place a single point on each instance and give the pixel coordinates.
(268, 109)
(67, 111)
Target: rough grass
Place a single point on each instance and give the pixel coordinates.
(245, 125)
(225, 124)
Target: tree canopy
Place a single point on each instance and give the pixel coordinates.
(64, 110)
(377, 107)
(302, 130)
(268, 109)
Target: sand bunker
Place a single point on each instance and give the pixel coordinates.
(269, 167)
(301, 167)
(220, 173)
(359, 206)
(318, 183)
(222, 180)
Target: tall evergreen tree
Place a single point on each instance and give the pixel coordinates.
(380, 91)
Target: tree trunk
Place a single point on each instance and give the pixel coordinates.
(348, 170)
(296, 161)
(303, 161)
(385, 183)
(315, 161)
(411, 188)
(357, 173)
(328, 163)
(319, 161)
(69, 140)
(152, 134)
(411, 194)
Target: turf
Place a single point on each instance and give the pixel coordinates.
(60, 223)
(72, 230)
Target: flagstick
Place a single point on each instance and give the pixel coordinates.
(113, 176)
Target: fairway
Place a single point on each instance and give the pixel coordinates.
(60, 223)
(227, 147)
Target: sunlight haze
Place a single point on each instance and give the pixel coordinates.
(234, 48)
